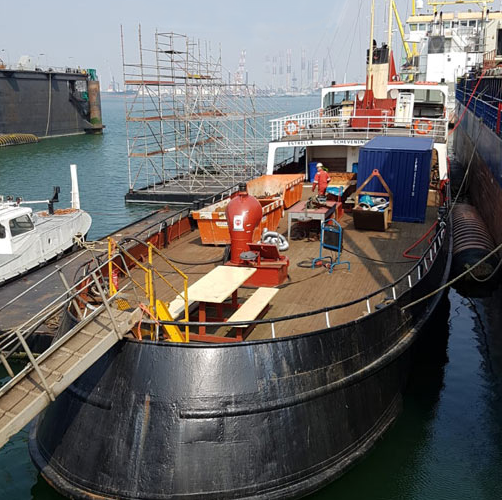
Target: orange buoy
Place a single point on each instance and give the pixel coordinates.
(419, 128)
(291, 127)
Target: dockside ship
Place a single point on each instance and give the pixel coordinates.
(463, 48)
(270, 374)
(48, 102)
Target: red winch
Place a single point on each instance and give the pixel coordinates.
(243, 214)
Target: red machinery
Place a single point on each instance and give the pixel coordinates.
(243, 214)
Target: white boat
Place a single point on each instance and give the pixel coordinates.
(30, 239)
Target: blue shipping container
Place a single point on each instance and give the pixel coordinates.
(405, 165)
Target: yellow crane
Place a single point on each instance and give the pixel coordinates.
(406, 45)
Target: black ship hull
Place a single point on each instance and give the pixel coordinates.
(480, 146)
(264, 419)
(48, 104)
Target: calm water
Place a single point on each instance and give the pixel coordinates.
(447, 443)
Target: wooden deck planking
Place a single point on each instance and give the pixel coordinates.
(310, 289)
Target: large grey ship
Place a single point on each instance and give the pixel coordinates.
(48, 102)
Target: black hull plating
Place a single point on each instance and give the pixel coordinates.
(474, 140)
(269, 419)
(43, 103)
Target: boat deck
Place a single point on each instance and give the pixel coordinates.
(376, 259)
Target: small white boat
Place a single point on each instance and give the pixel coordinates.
(31, 239)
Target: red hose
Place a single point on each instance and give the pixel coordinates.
(422, 238)
(468, 102)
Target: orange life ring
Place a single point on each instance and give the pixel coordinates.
(420, 130)
(291, 127)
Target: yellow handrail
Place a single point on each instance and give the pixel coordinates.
(150, 272)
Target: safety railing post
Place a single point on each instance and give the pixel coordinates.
(6, 366)
(104, 298)
(35, 365)
(187, 317)
(74, 302)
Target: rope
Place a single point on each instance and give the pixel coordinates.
(459, 277)
(88, 245)
(484, 280)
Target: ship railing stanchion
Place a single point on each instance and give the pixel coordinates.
(394, 293)
(409, 281)
(273, 330)
(327, 320)
(419, 272)
(6, 365)
(62, 277)
(35, 365)
(106, 304)
(368, 305)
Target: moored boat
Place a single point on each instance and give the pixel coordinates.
(274, 388)
(31, 239)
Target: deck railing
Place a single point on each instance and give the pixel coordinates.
(439, 246)
(319, 124)
(432, 257)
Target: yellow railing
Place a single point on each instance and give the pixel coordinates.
(157, 308)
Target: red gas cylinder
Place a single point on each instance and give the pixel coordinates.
(243, 214)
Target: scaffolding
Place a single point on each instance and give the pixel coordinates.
(190, 134)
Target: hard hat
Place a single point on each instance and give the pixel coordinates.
(319, 165)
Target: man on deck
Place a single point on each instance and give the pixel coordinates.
(321, 179)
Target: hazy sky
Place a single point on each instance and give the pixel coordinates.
(87, 34)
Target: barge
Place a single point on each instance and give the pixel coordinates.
(49, 102)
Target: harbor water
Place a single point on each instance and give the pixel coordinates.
(446, 444)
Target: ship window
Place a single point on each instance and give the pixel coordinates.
(447, 25)
(463, 23)
(472, 24)
(422, 27)
(336, 98)
(20, 225)
(420, 95)
(413, 27)
(435, 96)
(2, 231)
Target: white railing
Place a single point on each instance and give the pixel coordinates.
(319, 124)
(36, 67)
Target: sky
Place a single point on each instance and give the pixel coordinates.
(58, 33)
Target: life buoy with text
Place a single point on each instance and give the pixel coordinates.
(422, 127)
(291, 127)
